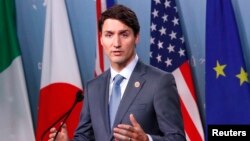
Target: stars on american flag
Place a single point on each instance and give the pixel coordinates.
(181, 52)
(160, 44)
(167, 4)
(167, 42)
(162, 31)
(173, 35)
(168, 62)
(153, 27)
(175, 21)
(152, 40)
(158, 58)
(155, 13)
(170, 48)
(165, 18)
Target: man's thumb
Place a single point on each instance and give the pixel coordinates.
(133, 121)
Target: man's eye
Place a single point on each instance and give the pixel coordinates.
(125, 35)
(108, 35)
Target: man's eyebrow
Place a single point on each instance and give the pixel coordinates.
(108, 31)
(120, 32)
(124, 31)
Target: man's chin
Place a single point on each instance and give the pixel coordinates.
(118, 60)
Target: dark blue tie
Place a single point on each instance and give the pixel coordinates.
(115, 98)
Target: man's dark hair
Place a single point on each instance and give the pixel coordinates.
(123, 14)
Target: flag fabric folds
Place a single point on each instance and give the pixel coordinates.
(101, 62)
(227, 80)
(168, 52)
(15, 119)
(60, 78)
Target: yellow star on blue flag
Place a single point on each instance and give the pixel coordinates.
(243, 76)
(219, 69)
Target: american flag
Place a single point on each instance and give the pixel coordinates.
(168, 52)
(101, 62)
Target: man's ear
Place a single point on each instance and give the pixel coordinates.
(137, 38)
(100, 36)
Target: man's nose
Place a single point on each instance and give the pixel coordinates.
(117, 42)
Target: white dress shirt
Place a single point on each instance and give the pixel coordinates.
(126, 73)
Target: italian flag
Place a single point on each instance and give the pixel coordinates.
(60, 78)
(15, 119)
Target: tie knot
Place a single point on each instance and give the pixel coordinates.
(118, 79)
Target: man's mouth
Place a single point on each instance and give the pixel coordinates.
(117, 53)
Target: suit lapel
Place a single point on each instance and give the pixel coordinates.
(132, 90)
(104, 100)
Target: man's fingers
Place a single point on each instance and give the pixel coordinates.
(52, 130)
(52, 135)
(120, 136)
(51, 139)
(133, 121)
(126, 127)
(126, 132)
(64, 128)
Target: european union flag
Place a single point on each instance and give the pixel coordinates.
(227, 80)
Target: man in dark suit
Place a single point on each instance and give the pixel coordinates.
(149, 108)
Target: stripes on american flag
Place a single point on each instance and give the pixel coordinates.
(168, 52)
(101, 62)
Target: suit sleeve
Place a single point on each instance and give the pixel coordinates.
(84, 131)
(168, 112)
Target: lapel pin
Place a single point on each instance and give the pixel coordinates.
(137, 84)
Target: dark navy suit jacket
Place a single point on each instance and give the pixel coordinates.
(154, 103)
